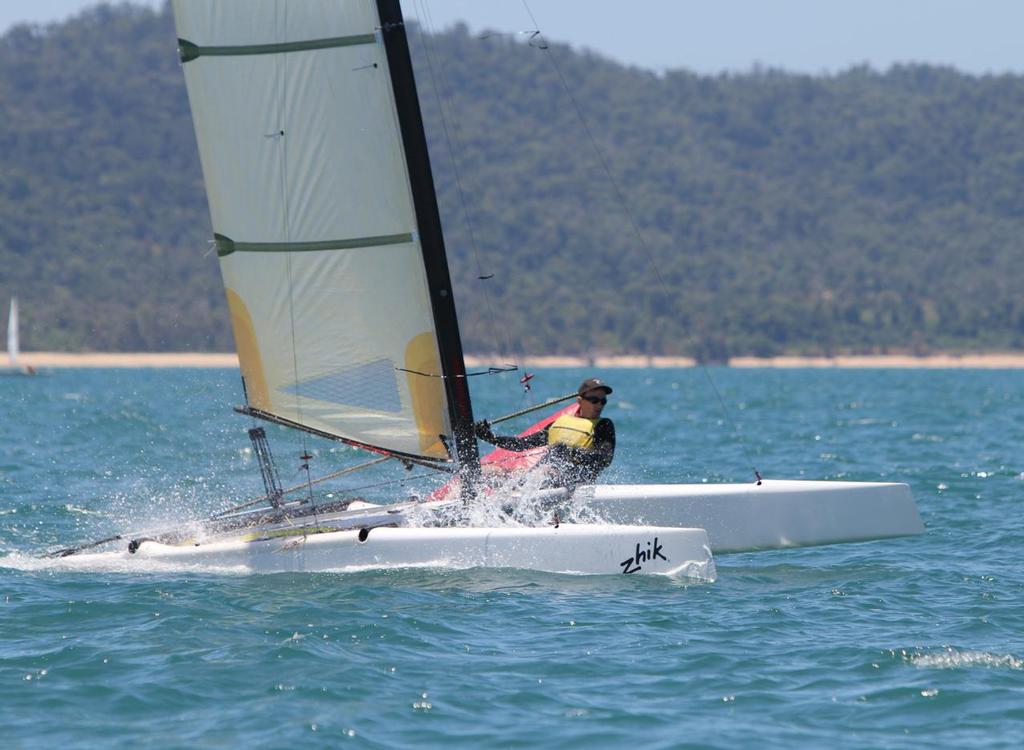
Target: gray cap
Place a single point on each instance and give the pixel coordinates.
(591, 384)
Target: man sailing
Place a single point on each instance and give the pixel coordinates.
(580, 446)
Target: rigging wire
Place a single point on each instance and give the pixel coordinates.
(289, 490)
(544, 47)
(488, 371)
(427, 23)
(282, 86)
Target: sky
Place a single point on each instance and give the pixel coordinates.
(711, 36)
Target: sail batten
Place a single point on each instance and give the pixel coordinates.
(303, 155)
(189, 51)
(226, 246)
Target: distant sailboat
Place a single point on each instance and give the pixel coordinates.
(14, 367)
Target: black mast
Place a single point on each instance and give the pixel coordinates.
(428, 220)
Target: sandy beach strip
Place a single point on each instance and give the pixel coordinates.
(986, 361)
(55, 360)
(983, 361)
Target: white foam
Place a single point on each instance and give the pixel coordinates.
(951, 658)
(523, 500)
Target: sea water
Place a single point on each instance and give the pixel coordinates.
(914, 642)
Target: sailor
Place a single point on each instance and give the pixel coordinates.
(580, 446)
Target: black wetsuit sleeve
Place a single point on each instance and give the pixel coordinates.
(535, 440)
(603, 452)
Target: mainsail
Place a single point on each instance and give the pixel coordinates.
(325, 220)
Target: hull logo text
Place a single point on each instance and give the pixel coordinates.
(647, 553)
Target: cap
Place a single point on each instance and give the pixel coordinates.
(591, 384)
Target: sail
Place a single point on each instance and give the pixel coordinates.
(12, 332)
(315, 222)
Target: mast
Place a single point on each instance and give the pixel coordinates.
(428, 220)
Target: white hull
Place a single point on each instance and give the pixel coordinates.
(569, 548)
(773, 515)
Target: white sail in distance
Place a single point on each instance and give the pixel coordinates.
(313, 215)
(12, 332)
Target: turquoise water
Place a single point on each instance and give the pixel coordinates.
(901, 643)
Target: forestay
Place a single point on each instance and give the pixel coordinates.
(314, 219)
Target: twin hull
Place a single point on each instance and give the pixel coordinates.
(660, 529)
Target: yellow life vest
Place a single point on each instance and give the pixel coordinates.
(572, 432)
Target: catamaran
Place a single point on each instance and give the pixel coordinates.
(329, 240)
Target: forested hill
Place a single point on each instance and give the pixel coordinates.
(755, 213)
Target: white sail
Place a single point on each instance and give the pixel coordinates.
(12, 332)
(314, 219)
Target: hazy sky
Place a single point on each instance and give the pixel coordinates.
(712, 35)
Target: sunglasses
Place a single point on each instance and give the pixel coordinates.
(595, 399)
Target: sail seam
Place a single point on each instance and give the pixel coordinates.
(226, 246)
(189, 51)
